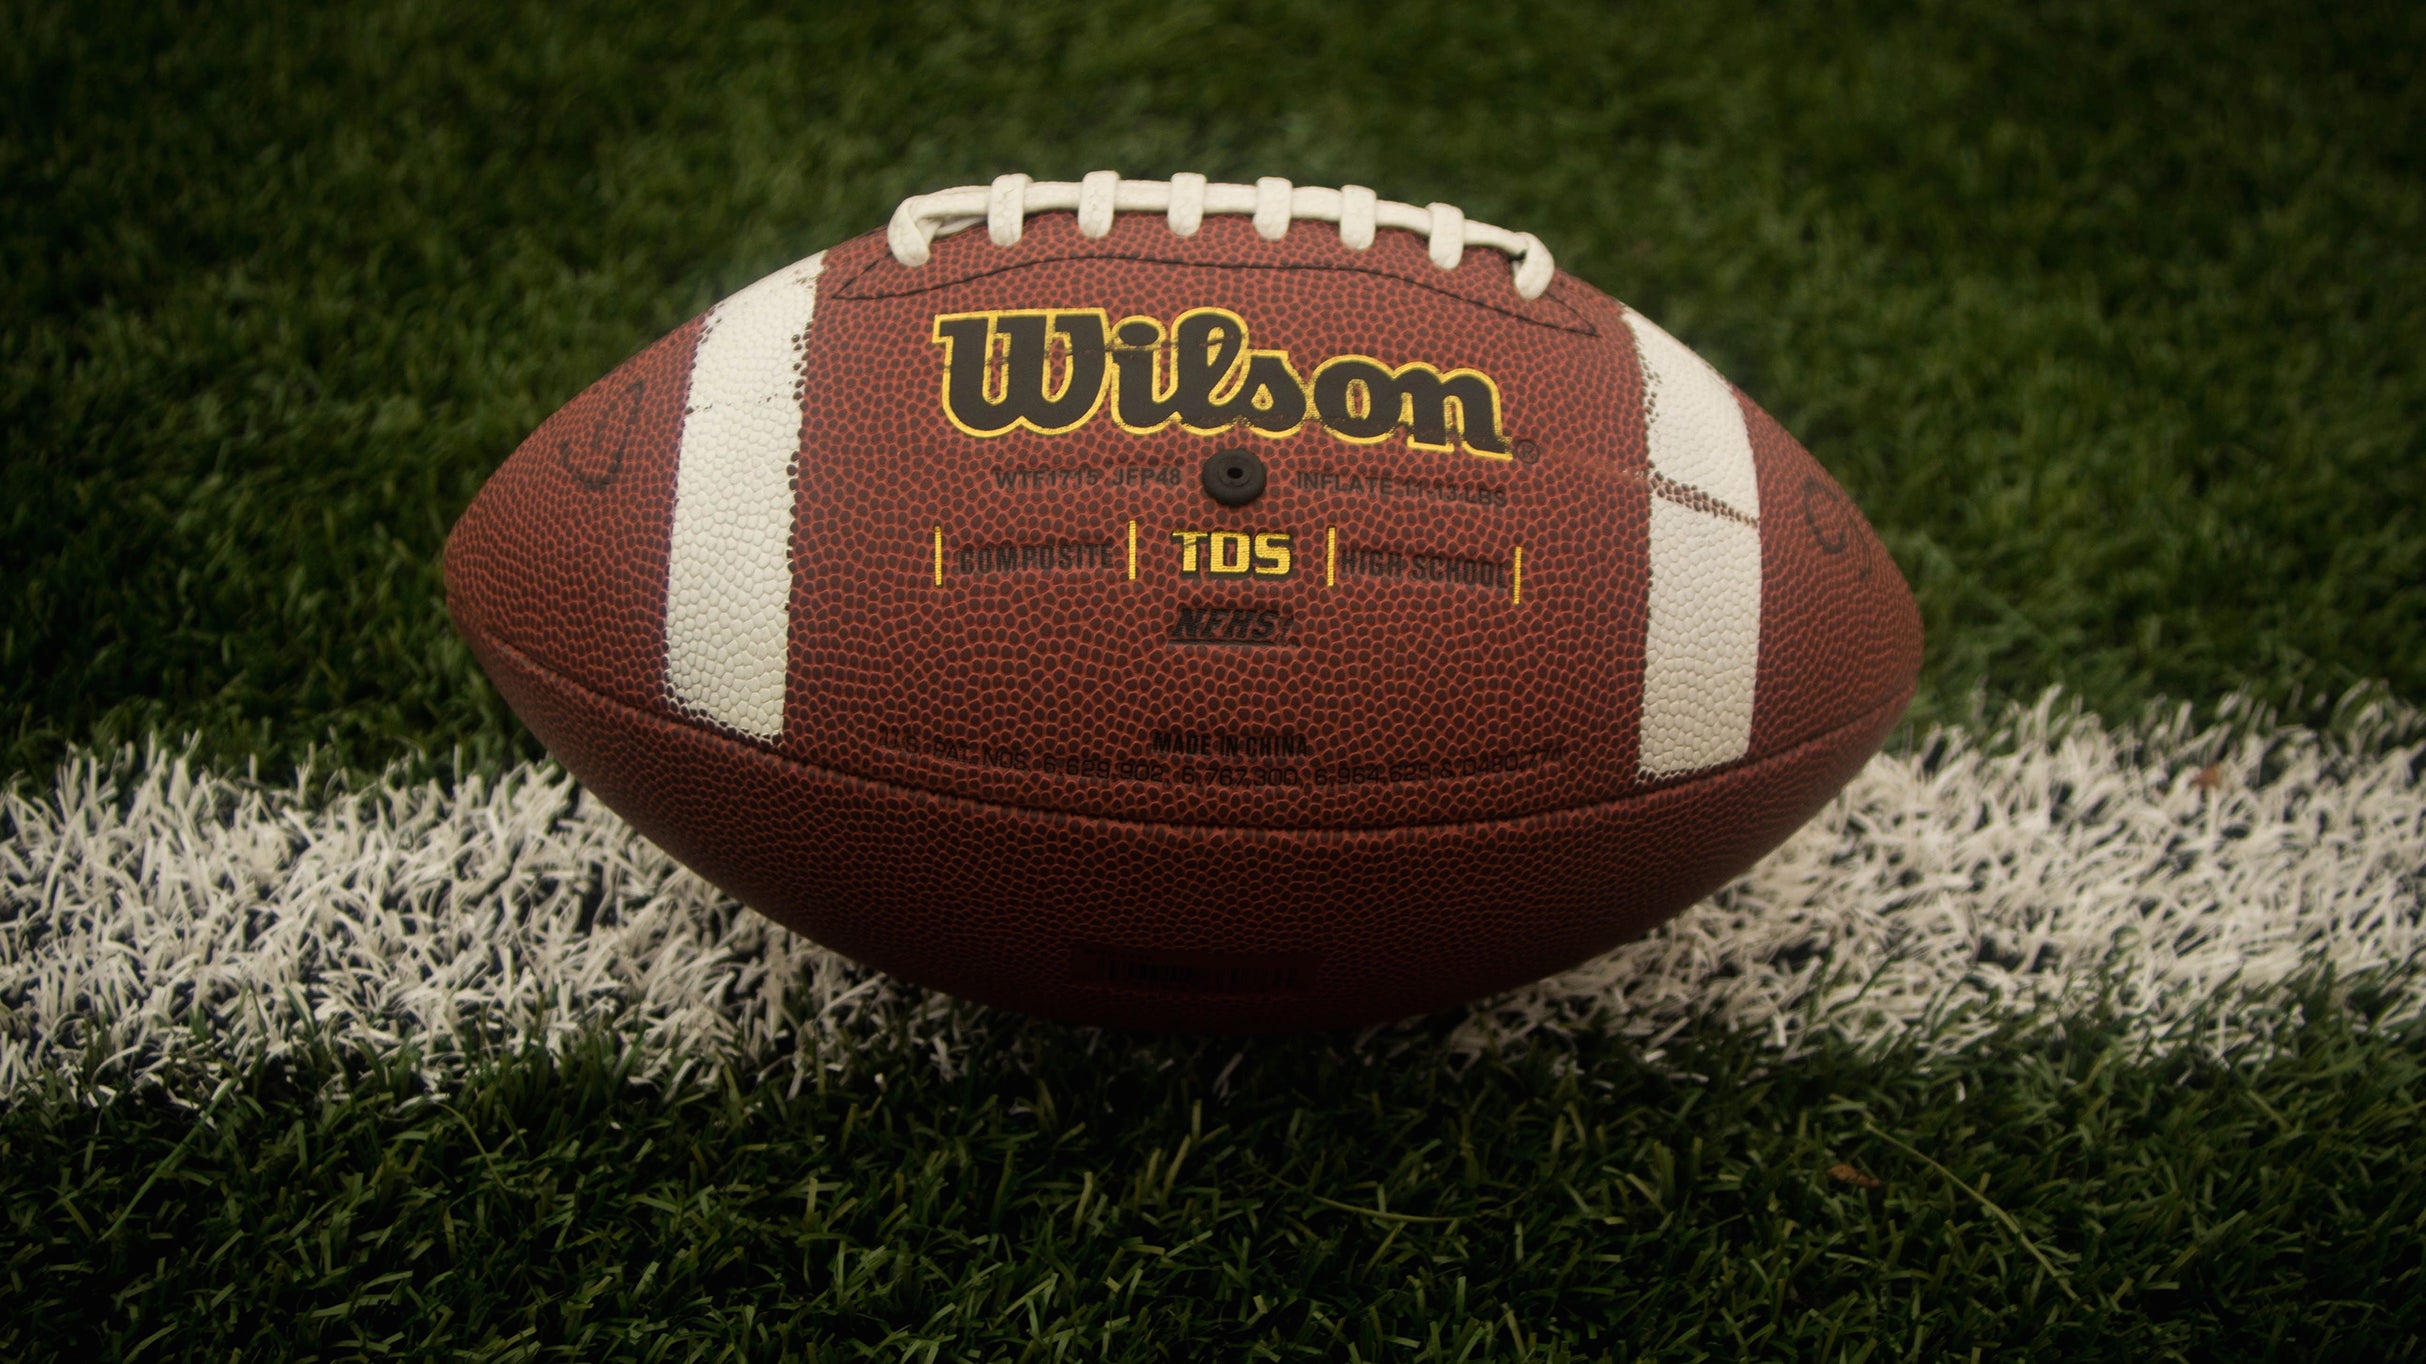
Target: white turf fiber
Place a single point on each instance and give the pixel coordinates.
(159, 924)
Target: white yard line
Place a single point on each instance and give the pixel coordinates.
(2174, 874)
(154, 919)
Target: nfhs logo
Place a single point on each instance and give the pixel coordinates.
(1243, 625)
(1050, 372)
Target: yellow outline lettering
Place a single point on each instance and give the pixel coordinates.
(1455, 416)
(1272, 554)
(952, 331)
(1232, 386)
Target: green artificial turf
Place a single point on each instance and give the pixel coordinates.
(2111, 315)
(2049, 1199)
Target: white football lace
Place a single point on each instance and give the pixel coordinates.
(1275, 203)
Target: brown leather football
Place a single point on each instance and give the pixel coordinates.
(1185, 605)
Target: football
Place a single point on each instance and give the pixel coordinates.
(1182, 605)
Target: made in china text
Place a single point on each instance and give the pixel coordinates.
(1051, 371)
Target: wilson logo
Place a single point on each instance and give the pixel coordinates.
(1051, 371)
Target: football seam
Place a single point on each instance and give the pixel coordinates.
(1686, 495)
(734, 741)
(1578, 325)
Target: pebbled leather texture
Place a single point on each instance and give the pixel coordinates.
(1398, 776)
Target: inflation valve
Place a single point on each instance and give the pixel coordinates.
(1234, 477)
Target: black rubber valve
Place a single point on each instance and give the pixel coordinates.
(1234, 478)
